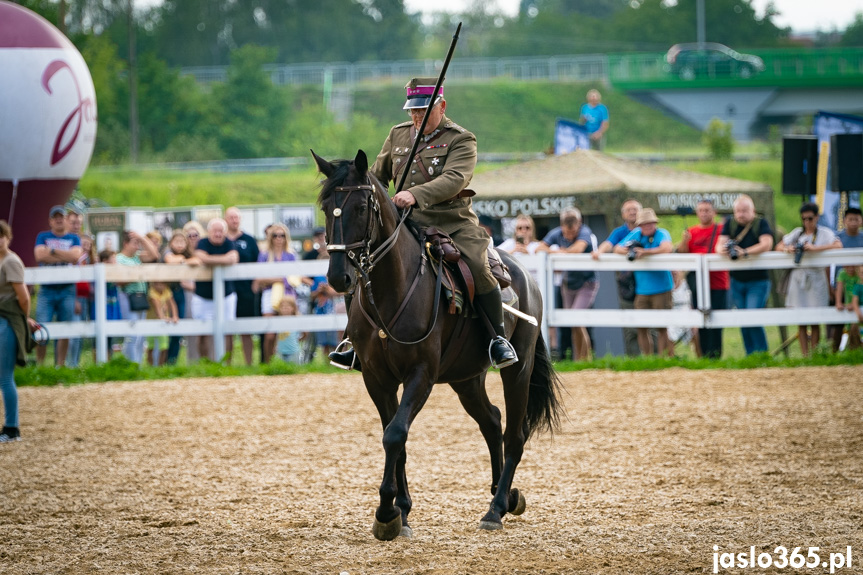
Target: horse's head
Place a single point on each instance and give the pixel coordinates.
(350, 201)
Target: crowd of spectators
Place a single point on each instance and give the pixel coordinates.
(223, 242)
(741, 235)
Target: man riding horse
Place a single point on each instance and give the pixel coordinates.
(437, 191)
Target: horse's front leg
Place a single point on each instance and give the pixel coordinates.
(390, 518)
(516, 382)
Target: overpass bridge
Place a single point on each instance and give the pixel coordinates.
(795, 82)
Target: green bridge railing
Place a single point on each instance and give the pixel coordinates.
(841, 67)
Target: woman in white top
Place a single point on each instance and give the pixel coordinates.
(524, 239)
(809, 287)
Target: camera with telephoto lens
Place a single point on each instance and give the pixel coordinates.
(798, 253)
(630, 246)
(733, 249)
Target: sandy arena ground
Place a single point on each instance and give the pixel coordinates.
(280, 475)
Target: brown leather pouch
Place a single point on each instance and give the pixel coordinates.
(442, 245)
(499, 269)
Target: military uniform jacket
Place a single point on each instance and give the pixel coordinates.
(444, 167)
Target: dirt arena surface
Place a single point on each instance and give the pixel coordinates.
(280, 475)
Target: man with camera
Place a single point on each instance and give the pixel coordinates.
(808, 287)
(704, 239)
(652, 288)
(743, 236)
(625, 280)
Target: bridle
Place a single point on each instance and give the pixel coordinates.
(361, 256)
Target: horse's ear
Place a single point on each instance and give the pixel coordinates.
(361, 162)
(325, 167)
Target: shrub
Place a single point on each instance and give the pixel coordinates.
(717, 137)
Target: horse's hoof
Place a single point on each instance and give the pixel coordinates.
(520, 505)
(491, 522)
(406, 532)
(490, 525)
(388, 531)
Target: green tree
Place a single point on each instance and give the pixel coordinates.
(252, 112)
(169, 105)
(853, 35)
(204, 32)
(592, 8)
(548, 32)
(652, 24)
(110, 80)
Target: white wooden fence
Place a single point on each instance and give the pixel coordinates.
(544, 266)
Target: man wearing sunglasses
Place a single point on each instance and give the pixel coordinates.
(436, 189)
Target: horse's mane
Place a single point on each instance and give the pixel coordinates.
(328, 186)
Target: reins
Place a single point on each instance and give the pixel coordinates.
(364, 261)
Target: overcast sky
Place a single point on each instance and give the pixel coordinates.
(801, 15)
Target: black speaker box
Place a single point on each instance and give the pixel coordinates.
(799, 165)
(846, 162)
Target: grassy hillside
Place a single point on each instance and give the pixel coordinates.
(520, 116)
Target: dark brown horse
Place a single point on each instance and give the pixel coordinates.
(399, 339)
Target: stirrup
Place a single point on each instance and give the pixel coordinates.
(507, 361)
(344, 348)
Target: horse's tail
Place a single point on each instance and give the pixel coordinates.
(544, 408)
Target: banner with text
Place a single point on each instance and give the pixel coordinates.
(824, 125)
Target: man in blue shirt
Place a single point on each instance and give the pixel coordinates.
(56, 247)
(625, 282)
(652, 288)
(594, 116)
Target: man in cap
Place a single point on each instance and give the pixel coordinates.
(436, 189)
(652, 288)
(56, 247)
(318, 246)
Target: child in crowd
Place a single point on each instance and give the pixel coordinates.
(855, 303)
(681, 298)
(163, 307)
(157, 238)
(288, 346)
(846, 283)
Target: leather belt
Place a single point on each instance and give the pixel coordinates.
(465, 193)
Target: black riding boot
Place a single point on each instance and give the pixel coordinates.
(500, 351)
(346, 359)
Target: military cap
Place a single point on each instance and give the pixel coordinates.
(419, 93)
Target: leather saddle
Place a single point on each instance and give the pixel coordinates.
(457, 278)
